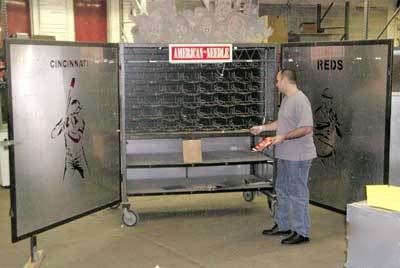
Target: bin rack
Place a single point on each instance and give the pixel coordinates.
(163, 104)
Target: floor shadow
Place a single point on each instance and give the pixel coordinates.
(196, 213)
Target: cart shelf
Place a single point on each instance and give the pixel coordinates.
(226, 183)
(209, 158)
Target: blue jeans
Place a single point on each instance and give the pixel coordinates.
(293, 196)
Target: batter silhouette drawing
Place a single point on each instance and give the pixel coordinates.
(327, 127)
(73, 128)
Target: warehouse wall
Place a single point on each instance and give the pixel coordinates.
(3, 29)
(305, 11)
(18, 19)
(113, 21)
(298, 14)
(55, 17)
(90, 20)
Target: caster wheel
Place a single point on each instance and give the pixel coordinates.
(248, 196)
(129, 218)
(272, 206)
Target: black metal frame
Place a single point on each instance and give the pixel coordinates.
(188, 135)
(389, 43)
(328, 207)
(202, 134)
(222, 190)
(13, 209)
(337, 43)
(388, 113)
(320, 19)
(244, 162)
(346, 21)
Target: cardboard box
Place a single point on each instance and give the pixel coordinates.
(20, 35)
(192, 151)
(384, 196)
(44, 37)
(308, 27)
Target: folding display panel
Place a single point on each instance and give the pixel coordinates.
(64, 121)
(349, 86)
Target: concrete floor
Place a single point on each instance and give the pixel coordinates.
(219, 230)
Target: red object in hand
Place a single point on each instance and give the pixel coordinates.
(263, 144)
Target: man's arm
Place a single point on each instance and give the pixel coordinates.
(268, 127)
(294, 134)
(58, 129)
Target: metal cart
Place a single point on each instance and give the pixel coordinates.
(163, 104)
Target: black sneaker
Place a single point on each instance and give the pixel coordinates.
(275, 231)
(295, 239)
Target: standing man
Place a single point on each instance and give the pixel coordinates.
(294, 151)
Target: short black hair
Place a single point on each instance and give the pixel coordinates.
(75, 101)
(290, 75)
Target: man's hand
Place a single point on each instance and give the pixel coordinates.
(256, 130)
(278, 139)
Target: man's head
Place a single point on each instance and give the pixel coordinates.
(327, 98)
(75, 107)
(284, 79)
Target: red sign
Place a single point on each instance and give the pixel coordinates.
(210, 53)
